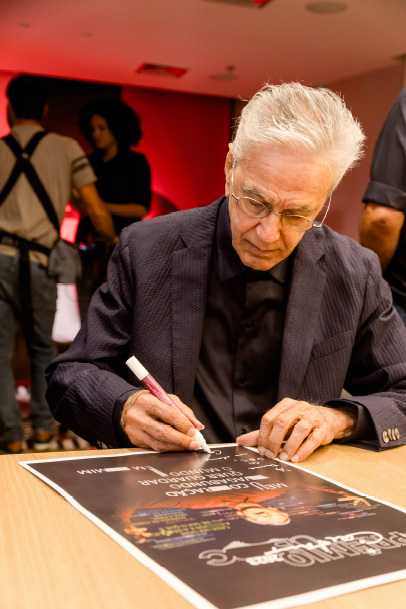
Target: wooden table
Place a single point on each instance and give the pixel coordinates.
(53, 557)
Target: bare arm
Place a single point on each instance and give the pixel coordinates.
(90, 204)
(380, 229)
(128, 210)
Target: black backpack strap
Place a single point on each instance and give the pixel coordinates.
(33, 143)
(30, 147)
(13, 144)
(21, 157)
(23, 165)
(41, 193)
(17, 169)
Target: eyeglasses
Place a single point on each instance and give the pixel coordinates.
(255, 209)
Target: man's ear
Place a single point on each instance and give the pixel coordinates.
(227, 169)
(11, 117)
(45, 112)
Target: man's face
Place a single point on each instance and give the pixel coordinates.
(285, 180)
(259, 514)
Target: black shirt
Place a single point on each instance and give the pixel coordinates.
(388, 187)
(238, 370)
(126, 178)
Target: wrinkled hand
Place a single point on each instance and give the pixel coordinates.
(302, 426)
(149, 423)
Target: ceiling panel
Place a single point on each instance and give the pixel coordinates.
(282, 41)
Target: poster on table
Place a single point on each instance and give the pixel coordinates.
(233, 529)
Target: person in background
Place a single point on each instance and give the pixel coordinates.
(123, 181)
(48, 167)
(383, 227)
(250, 311)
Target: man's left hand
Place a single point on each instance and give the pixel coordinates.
(302, 426)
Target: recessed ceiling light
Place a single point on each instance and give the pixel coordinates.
(229, 74)
(161, 70)
(87, 34)
(24, 24)
(325, 7)
(254, 3)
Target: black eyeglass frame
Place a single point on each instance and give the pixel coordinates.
(269, 210)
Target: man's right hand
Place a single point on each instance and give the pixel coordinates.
(149, 423)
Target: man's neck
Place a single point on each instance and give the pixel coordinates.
(26, 121)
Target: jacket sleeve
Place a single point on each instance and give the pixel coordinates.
(387, 185)
(85, 382)
(376, 377)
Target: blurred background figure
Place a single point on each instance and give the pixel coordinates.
(37, 173)
(383, 227)
(123, 182)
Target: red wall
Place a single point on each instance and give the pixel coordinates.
(185, 136)
(185, 140)
(370, 97)
(5, 78)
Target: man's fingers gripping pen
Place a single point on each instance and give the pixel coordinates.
(153, 387)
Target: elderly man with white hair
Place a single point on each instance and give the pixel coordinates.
(251, 312)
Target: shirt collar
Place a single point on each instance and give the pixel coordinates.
(23, 132)
(229, 263)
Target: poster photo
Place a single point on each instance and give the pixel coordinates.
(232, 529)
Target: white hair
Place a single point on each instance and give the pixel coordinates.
(304, 119)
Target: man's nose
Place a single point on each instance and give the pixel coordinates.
(269, 228)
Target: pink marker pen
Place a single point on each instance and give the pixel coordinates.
(153, 387)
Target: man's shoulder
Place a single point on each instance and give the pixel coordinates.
(343, 252)
(331, 238)
(66, 157)
(26, 132)
(56, 139)
(401, 98)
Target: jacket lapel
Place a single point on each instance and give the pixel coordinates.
(302, 314)
(190, 271)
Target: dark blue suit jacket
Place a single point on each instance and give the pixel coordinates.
(340, 327)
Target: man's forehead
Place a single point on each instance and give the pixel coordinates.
(301, 169)
(262, 152)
